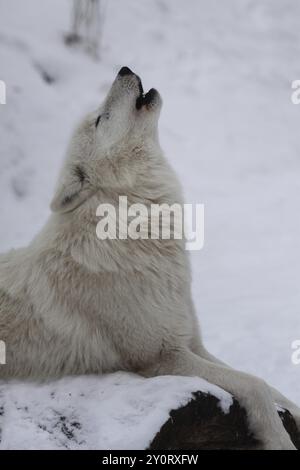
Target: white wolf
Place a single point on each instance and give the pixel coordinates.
(72, 304)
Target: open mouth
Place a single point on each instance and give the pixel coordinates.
(145, 99)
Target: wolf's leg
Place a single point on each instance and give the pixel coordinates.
(278, 398)
(284, 402)
(252, 393)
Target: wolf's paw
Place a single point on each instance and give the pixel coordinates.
(296, 416)
(291, 421)
(281, 443)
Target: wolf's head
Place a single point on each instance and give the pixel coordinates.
(110, 146)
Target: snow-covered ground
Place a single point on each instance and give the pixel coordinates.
(229, 128)
(115, 411)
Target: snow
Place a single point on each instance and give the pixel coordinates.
(115, 411)
(230, 130)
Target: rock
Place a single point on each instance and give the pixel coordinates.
(201, 424)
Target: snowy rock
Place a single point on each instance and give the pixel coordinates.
(124, 411)
(203, 425)
(115, 411)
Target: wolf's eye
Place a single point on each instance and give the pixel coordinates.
(97, 121)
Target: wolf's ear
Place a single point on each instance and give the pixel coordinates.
(72, 190)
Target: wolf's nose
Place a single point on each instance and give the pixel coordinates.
(125, 71)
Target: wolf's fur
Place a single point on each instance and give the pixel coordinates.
(72, 304)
